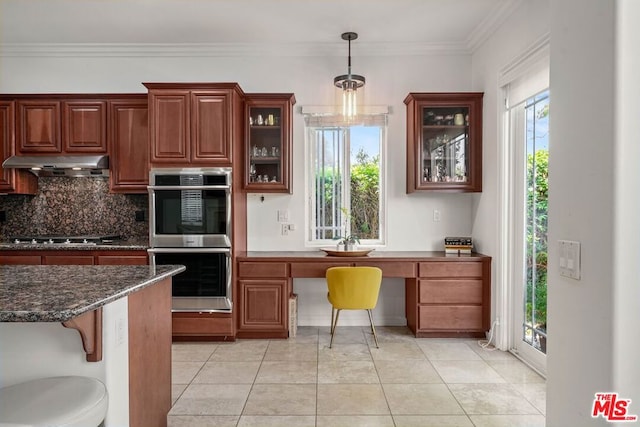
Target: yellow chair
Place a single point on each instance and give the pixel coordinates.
(353, 288)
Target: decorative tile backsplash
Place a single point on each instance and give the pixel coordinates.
(73, 206)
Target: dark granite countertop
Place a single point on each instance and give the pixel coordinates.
(141, 244)
(57, 293)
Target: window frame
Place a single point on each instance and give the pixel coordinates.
(331, 120)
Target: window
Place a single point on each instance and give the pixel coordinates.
(346, 178)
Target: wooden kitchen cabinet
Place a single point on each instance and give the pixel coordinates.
(450, 298)
(58, 126)
(264, 308)
(262, 300)
(194, 124)
(129, 145)
(84, 127)
(73, 257)
(444, 142)
(38, 127)
(12, 181)
(268, 143)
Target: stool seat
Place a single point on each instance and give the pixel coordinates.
(57, 401)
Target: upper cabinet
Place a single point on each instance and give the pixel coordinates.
(12, 181)
(194, 123)
(444, 142)
(268, 142)
(51, 126)
(129, 145)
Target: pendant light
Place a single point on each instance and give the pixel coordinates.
(349, 83)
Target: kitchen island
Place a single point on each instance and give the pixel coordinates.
(123, 314)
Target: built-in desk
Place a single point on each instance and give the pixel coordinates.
(446, 295)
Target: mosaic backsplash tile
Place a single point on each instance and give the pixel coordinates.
(74, 206)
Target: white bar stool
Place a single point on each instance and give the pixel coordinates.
(54, 402)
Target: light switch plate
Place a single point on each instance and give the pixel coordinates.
(569, 253)
(283, 215)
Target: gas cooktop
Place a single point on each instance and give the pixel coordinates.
(64, 240)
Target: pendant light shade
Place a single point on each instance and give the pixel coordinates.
(349, 83)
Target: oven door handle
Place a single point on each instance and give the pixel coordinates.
(189, 250)
(188, 187)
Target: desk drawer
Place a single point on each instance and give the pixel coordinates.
(314, 269)
(451, 269)
(450, 291)
(450, 317)
(392, 269)
(262, 269)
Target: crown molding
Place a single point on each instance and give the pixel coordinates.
(491, 23)
(225, 49)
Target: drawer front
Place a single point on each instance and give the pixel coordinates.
(451, 291)
(314, 269)
(262, 269)
(68, 260)
(450, 318)
(20, 259)
(392, 269)
(200, 324)
(451, 269)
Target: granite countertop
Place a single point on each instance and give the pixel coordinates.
(140, 243)
(57, 293)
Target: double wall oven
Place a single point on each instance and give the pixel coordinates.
(190, 224)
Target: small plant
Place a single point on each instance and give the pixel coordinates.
(348, 240)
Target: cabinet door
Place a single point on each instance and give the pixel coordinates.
(84, 126)
(268, 143)
(12, 181)
(263, 305)
(211, 127)
(38, 127)
(444, 142)
(170, 130)
(129, 146)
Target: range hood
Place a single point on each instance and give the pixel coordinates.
(91, 166)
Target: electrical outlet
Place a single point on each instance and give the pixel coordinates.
(436, 215)
(285, 229)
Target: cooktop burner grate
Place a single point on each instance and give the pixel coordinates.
(64, 240)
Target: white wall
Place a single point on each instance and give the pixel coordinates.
(527, 24)
(389, 80)
(593, 322)
(626, 334)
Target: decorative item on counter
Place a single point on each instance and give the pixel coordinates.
(458, 245)
(348, 241)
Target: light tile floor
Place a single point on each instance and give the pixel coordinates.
(301, 382)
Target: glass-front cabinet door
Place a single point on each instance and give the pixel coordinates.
(268, 143)
(444, 142)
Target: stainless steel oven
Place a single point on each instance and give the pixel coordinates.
(190, 207)
(205, 285)
(190, 224)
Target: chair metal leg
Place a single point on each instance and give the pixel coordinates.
(373, 328)
(333, 313)
(333, 330)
